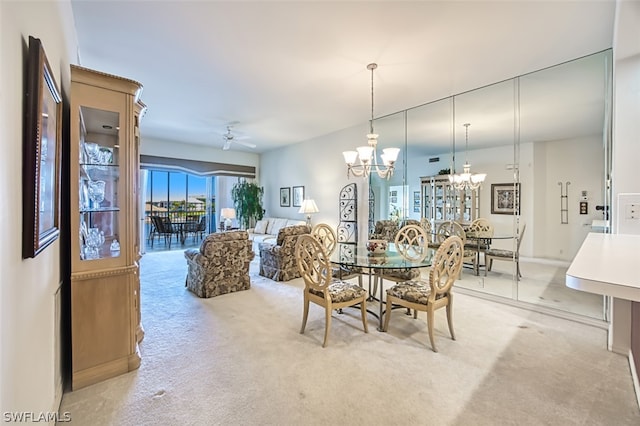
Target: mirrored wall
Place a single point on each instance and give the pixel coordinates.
(543, 140)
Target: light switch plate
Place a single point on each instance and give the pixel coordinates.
(628, 213)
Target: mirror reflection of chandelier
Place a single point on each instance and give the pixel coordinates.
(367, 154)
(466, 180)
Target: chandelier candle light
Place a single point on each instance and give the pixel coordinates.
(368, 155)
(466, 180)
(308, 207)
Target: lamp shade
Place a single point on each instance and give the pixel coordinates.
(308, 207)
(228, 213)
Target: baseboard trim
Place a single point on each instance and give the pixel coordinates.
(634, 376)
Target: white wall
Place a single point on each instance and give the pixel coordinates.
(29, 291)
(317, 165)
(187, 151)
(626, 106)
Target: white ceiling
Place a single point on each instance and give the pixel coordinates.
(289, 71)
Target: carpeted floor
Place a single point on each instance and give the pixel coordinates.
(238, 359)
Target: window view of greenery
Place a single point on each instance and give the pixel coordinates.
(179, 198)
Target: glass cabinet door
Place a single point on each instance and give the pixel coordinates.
(98, 182)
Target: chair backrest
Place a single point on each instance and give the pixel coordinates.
(313, 263)
(163, 224)
(202, 224)
(450, 228)
(411, 242)
(326, 236)
(290, 233)
(239, 239)
(426, 225)
(445, 267)
(481, 227)
(154, 222)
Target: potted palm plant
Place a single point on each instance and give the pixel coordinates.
(247, 199)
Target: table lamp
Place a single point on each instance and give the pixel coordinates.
(228, 215)
(308, 207)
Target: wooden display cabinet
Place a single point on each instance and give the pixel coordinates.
(441, 202)
(105, 284)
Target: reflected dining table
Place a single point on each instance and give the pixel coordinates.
(356, 256)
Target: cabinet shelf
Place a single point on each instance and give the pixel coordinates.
(441, 202)
(101, 209)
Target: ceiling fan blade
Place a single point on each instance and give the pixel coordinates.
(249, 144)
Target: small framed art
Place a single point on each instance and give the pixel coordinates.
(298, 195)
(285, 197)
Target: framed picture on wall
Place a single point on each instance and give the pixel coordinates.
(416, 201)
(41, 154)
(505, 198)
(285, 197)
(298, 195)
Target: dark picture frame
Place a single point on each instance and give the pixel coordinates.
(505, 198)
(298, 196)
(285, 197)
(41, 154)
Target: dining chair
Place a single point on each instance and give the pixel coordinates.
(436, 292)
(325, 234)
(321, 288)
(408, 239)
(450, 228)
(479, 235)
(163, 228)
(499, 254)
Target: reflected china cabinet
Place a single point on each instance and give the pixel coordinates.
(105, 284)
(441, 202)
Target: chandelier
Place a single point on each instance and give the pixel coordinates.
(466, 180)
(367, 154)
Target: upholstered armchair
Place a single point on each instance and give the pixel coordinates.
(385, 230)
(221, 265)
(277, 260)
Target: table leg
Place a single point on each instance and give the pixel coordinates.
(380, 302)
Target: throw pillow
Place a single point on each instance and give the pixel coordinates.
(275, 225)
(261, 227)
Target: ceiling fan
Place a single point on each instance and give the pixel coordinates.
(230, 138)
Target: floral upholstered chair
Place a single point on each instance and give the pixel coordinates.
(385, 230)
(221, 265)
(277, 260)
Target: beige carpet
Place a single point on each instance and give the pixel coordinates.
(238, 359)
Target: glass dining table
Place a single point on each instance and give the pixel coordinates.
(355, 256)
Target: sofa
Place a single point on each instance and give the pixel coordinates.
(221, 265)
(277, 258)
(267, 229)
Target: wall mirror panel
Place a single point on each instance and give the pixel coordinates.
(487, 144)
(563, 145)
(533, 133)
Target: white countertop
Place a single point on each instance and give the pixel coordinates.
(607, 264)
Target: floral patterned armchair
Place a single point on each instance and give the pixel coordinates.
(277, 261)
(385, 230)
(221, 265)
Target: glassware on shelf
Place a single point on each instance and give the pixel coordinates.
(115, 246)
(96, 192)
(94, 239)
